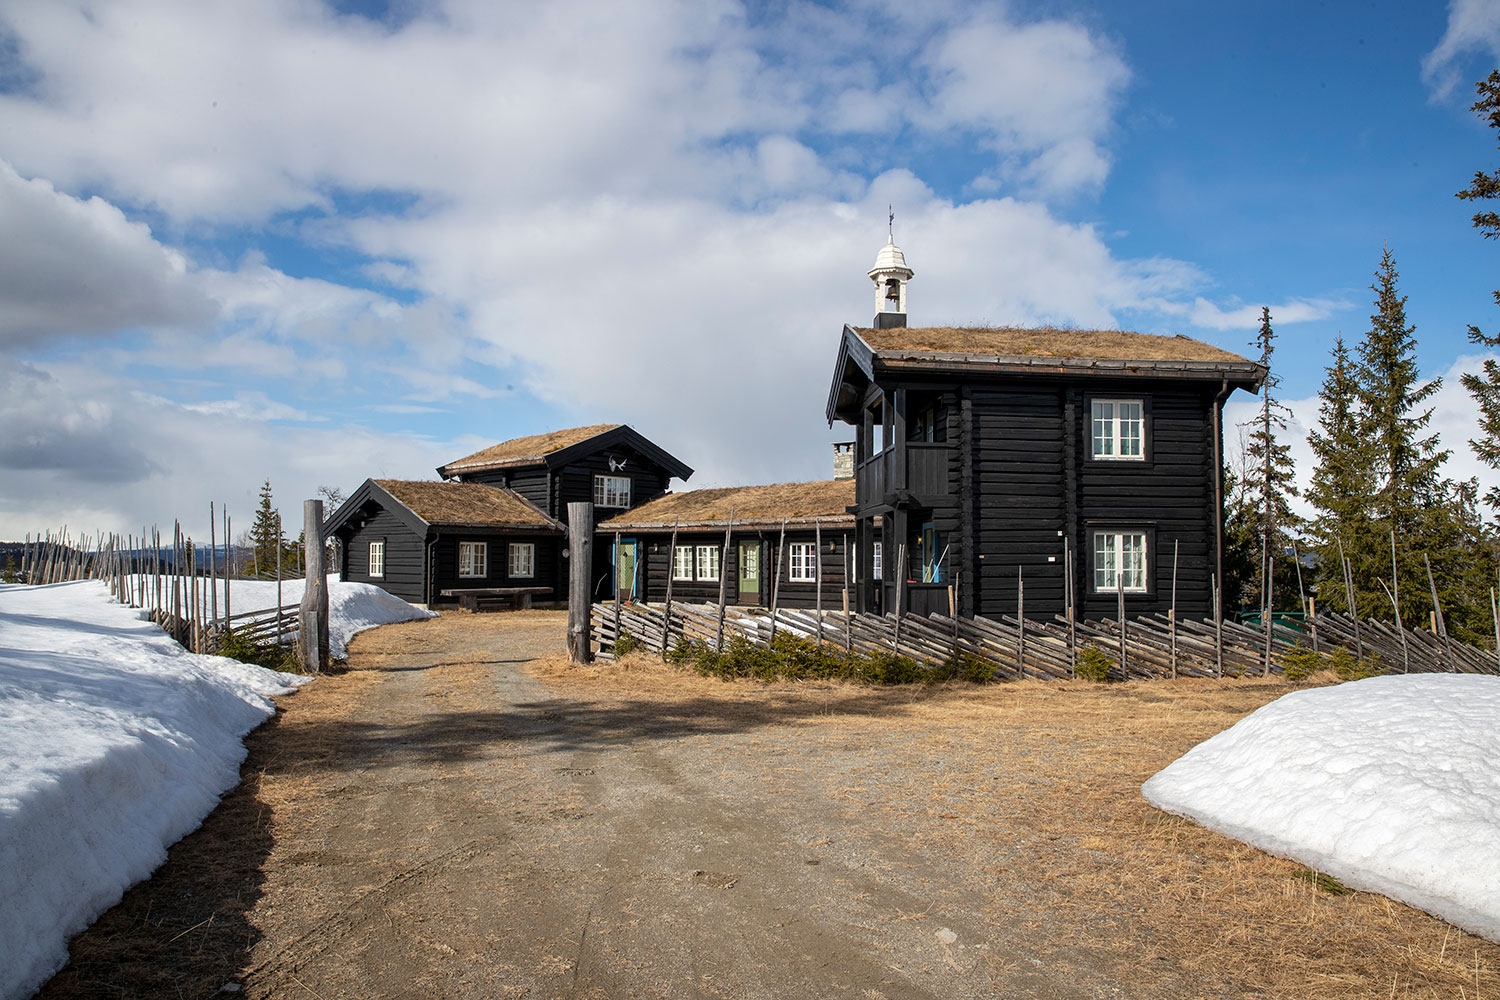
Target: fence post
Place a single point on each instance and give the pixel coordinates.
(312, 634)
(580, 568)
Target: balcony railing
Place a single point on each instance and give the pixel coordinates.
(926, 471)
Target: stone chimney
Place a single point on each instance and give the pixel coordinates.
(843, 460)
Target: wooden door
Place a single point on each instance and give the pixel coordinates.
(625, 569)
(749, 572)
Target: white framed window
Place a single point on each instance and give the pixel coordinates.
(1120, 561)
(473, 559)
(802, 562)
(377, 559)
(707, 560)
(682, 562)
(877, 570)
(522, 559)
(1118, 429)
(611, 491)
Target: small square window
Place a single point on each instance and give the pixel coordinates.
(1120, 562)
(682, 562)
(802, 565)
(707, 562)
(473, 558)
(611, 491)
(377, 559)
(1118, 426)
(522, 559)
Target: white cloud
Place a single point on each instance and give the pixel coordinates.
(72, 266)
(1473, 29)
(1206, 315)
(87, 449)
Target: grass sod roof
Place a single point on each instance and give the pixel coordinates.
(796, 503)
(1045, 342)
(466, 504)
(526, 450)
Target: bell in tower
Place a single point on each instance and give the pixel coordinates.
(890, 275)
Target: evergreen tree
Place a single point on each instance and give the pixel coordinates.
(268, 540)
(1407, 465)
(1272, 483)
(1342, 483)
(1484, 386)
(1241, 538)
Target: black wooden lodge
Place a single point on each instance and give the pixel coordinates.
(1083, 465)
(1080, 463)
(787, 544)
(494, 529)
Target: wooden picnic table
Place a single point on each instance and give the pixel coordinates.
(491, 598)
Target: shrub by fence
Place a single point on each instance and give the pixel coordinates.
(1149, 647)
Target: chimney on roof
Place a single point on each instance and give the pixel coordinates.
(843, 460)
(890, 275)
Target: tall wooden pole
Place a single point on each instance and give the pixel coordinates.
(724, 581)
(1020, 624)
(776, 578)
(666, 621)
(1172, 614)
(313, 637)
(1437, 609)
(580, 566)
(818, 573)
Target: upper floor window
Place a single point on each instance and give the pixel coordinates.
(1120, 562)
(802, 562)
(611, 491)
(1118, 429)
(377, 559)
(522, 559)
(473, 558)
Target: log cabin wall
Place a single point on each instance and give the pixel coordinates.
(404, 556)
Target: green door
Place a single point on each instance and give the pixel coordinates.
(625, 569)
(749, 572)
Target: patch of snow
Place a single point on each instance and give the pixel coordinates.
(1389, 784)
(115, 742)
(352, 607)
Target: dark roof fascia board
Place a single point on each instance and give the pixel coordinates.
(852, 348)
(501, 526)
(622, 435)
(367, 492)
(754, 524)
(1241, 373)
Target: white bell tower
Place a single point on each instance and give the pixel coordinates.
(890, 275)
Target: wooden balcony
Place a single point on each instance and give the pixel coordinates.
(926, 473)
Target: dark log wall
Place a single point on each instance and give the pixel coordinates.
(548, 552)
(656, 564)
(553, 490)
(404, 552)
(1019, 491)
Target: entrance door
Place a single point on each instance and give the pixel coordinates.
(625, 569)
(749, 573)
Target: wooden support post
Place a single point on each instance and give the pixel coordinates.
(1020, 623)
(213, 567)
(900, 596)
(313, 613)
(580, 594)
(818, 573)
(1400, 629)
(1120, 593)
(849, 635)
(1213, 585)
(723, 583)
(776, 578)
(1495, 617)
(666, 622)
(614, 571)
(1437, 608)
(1172, 614)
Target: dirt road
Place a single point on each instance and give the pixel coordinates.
(446, 821)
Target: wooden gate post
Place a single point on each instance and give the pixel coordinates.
(580, 569)
(313, 636)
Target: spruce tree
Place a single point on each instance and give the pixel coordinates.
(1484, 385)
(265, 534)
(1342, 482)
(1272, 483)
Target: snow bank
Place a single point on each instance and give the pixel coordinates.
(114, 743)
(1389, 784)
(352, 607)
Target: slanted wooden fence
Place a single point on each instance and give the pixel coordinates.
(1151, 647)
(184, 587)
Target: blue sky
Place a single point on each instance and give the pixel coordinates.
(314, 243)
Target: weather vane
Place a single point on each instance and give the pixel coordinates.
(890, 222)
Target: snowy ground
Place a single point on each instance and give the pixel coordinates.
(114, 743)
(352, 607)
(1389, 784)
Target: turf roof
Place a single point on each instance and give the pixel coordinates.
(800, 503)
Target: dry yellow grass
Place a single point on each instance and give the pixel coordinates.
(1055, 769)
